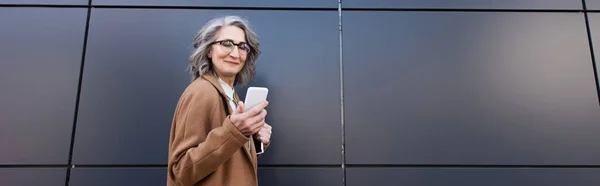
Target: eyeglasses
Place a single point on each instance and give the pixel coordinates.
(228, 45)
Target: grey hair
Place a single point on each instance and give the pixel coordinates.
(200, 64)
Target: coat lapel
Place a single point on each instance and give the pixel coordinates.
(213, 80)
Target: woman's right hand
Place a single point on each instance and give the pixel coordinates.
(251, 121)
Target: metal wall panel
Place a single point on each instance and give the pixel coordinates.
(466, 4)
(469, 88)
(225, 3)
(135, 72)
(594, 20)
(304, 101)
(40, 53)
(45, 2)
(33, 176)
(592, 4)
(472, 176)
(272, 176)
(118, 176)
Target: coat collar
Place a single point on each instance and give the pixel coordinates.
(215, 82)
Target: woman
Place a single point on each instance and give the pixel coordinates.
(211, 137)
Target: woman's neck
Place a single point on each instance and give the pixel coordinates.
(228, 80)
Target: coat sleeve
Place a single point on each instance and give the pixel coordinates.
(197, 150)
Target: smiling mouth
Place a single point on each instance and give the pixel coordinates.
(232, 62)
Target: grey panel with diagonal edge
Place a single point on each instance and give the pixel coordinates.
(511, 88)
(41, 54)
(136, 70)
(134, 73)
(467, 4)
(473, 176)
(594, 20)
(33, 176)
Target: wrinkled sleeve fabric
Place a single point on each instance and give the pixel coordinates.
(197, 149)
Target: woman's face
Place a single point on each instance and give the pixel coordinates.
(229, 52)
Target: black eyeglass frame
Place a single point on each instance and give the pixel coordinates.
(239, 45)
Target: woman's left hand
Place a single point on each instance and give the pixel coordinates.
(264, 135)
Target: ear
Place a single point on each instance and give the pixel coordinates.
(209, 55)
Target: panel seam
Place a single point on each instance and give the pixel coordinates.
(591, 46)
(77, 99)
(342, 121)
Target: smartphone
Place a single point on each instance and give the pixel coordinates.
(254, 96)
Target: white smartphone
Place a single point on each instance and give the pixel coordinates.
(254, 96)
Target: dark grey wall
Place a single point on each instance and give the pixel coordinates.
(40, 55)
(33, 176)
(44, 2)
(225, 3)
(468, 4)
(476, 84)
(434, 92)
(472, 176)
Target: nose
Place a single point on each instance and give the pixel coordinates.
(235, 52)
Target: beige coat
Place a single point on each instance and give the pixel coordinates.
(205, 148)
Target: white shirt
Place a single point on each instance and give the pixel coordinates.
(229, 91)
